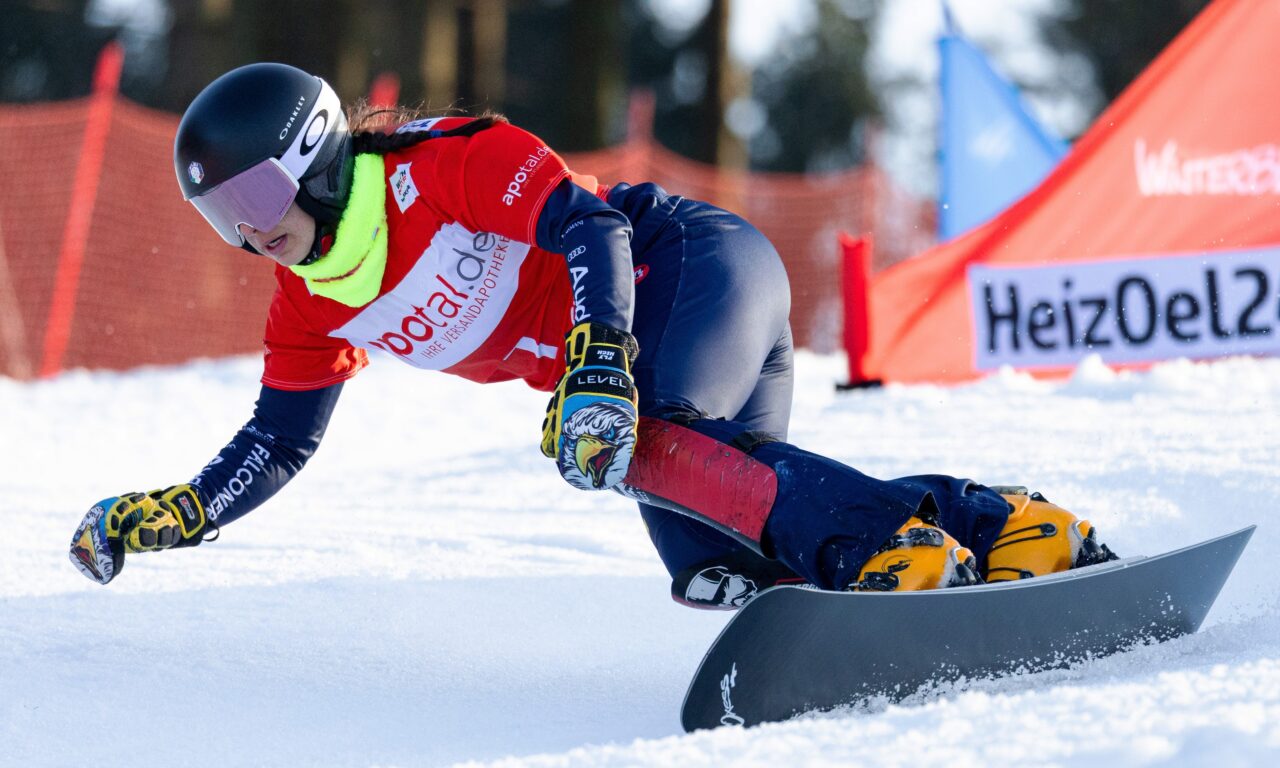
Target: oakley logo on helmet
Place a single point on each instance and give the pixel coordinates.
(315, 132)
(292, 116)
(321, 119)
(196, 172)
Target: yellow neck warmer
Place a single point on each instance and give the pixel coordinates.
(351, 272)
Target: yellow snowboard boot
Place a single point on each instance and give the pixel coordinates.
(918, 556)
(1041, 538)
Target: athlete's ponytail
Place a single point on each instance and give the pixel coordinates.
(368, 126)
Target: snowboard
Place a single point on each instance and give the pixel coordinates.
(793, 649)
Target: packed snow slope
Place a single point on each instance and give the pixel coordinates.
(429, 592)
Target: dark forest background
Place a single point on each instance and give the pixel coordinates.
(561, 68)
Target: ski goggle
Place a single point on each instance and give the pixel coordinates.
(258, 197)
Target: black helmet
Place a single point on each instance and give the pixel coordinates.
(276, 134)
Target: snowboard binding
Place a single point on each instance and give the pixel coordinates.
(1041, 538)
(728, 581)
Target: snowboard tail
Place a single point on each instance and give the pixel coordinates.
(794, 649)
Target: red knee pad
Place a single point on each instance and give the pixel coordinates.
(677, 468)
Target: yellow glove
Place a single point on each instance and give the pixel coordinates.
(136, 522)
(590, 427)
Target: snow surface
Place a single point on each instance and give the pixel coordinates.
(429, 592)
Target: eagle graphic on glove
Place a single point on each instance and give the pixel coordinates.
(596, 445)
(590, 428)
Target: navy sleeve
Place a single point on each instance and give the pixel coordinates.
(596, 241)
(266, 453)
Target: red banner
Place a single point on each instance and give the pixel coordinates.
(1156, 237)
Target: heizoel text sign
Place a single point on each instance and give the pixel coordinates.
(1126, 310)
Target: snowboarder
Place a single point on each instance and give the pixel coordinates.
(659, 324)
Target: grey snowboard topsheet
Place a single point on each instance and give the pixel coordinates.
(795, 649)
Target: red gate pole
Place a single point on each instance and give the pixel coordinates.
(84, 193)
(855, 284)
(13, 336)
(384, 92)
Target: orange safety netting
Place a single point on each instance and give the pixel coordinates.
(154, 284)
